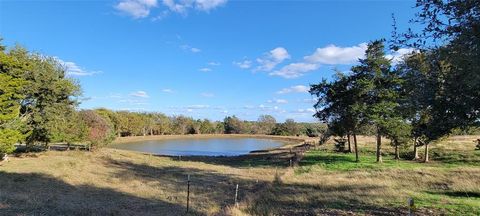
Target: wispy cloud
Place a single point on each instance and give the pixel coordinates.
(306, 110)
(167, 90)
(72, 69)
(309, 100)
(294, 89)
(198, 107)
(207, 94)
(205, 69)
(278, 101)
(295, 70)
(140, 94)
(271, 59)
(213, 63)
(143, 8)
(245, 64)
(189, 48)
(182, 6)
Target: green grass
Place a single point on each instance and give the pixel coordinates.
(346, 162)
(454, 203)
(449, 184)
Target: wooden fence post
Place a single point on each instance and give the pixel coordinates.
(411, 207)
(236, 195)
(188, 192)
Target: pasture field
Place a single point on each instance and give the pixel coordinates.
(117, 182)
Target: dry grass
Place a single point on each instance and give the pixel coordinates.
(116, 182)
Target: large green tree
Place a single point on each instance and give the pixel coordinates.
(449, 67)
(379, 90)
(339, 105)
(47, 93)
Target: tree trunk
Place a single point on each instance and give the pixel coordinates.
(379, 147)
(349, 145)
(426, 153)
(397, 153)
(415, 149)
(356, 147)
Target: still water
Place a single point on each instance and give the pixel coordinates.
(205, 147)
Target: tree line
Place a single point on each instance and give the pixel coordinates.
(428, 94)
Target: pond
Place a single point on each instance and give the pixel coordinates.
(203, 147)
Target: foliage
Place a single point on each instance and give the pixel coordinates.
(266, 123)
(288, 128)
(8, 139)
(233, 125)
(99, 132)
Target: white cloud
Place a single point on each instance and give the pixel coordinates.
(162, 15)
(278, 101)
(294, 89)
(195, 50)
(72, 69)
(310, 101)
(207, 94)
(272, 59)
(332, 54)
(115, 95)
(214, 63)
(397, 56)
(167, 90)
(198, 107)
(136, 8)
(246, 64)
(182, 6)
(191, 49)
(295, 70)
(141, 94)
(308, 110)
(207, 5)
(205, 69)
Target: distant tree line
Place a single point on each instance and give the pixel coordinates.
(125, 123)
(430, 93)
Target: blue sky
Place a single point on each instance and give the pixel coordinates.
(202, 58)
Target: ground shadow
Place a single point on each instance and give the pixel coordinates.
(326, 159)
(260, 197)
(458, 194)
(39, 194)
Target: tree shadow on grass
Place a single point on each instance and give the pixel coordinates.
(458, 194)
(304, 199)
(242, 161)
(259, 197)
(40, 194)
(208, 188)
(337, 158)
